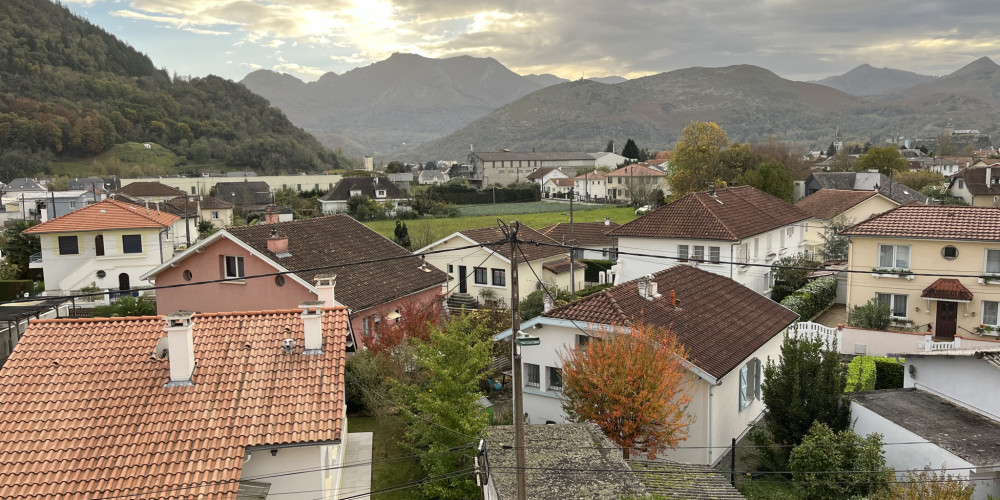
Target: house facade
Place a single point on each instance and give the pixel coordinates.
(108, 244)
(432, 176)
(828, 204)
(227, 405)
(606, 159)
(557, 187)
(727, 350)
(864, 181)
(380, 190)
(591, 186)
(977, 186)
(487, 267)
(371, 291)
(899, 245)
(506, 167)
(542, 175)
(634, 183)
(737, 233)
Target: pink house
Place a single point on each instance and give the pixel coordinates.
(317, 256)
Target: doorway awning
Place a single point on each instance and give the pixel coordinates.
(947, 289)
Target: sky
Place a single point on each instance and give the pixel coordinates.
(797, 39)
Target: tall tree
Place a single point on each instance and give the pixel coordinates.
(632, 384)
(631, 150)
(835, 246)
(610, 148)
(401, 235)
(773, 179)
(831, 151)
(443, 409)
(695, 162)
(886, 160)
(805, 386)
(18, 247)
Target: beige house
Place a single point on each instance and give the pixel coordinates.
(907, 249)
(828, 204)
(978, 185)
(487, 267)
(634, 183)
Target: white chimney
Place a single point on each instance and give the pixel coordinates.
(989, 176)
(325, 283)
(652, 294)
(607, 221)
(643, 286)
(180, 345)
(312, 322)
(546, 302)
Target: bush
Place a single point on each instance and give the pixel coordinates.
(930, 485)
(14, 289)
(838, 465)
(888, 373)
(873, 315)
(464, 195)
(532, 305)
(812, 299)
(860, 374)
(127, 305)
(366, 385)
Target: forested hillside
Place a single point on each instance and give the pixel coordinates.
(68, 89)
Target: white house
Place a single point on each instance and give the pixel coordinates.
(606, 159)
(591, 186)
(737, 233)
(947, 412)
(431, 176)
(382, 191)
(591, 238)
(729, 330)
(109, 244)
(557, 187)
(542, 175)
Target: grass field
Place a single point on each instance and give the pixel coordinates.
(134, 160)
(523, 208)
(425, 231)
(385, 446)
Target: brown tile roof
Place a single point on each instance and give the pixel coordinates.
(562, 265)
(86, 414)
(106, 214)
(583, 233)
(637, 171)
(975, 180)
(339, 239)
(206, 202)
(539, 173)
(934, 222)
(149, 188)
(947, 289)
(525, 233)
(828, 203)
(733, 214)
(593, 176)
(720, 321)
(562, 181)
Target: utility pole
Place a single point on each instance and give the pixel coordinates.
(515, 352)
(187, 222)
(572, 242)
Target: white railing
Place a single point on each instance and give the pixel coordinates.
(831, 336)
(929, 344)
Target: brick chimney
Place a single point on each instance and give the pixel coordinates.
(312, 322)
(180, 345)
(277, 244)
(271, 215)
(325, 283)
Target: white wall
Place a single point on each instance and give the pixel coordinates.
(202, 185)
(949, 377)
(312, 471)
(70, 272)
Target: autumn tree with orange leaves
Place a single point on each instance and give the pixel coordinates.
(633, 384)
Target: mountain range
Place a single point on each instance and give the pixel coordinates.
(866, 80)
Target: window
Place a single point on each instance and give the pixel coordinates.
(233, 266)
(714, 255)
(68, 245)
(896, 303)
(132, 243)
(990, 310)
(99, 245)
(992, 261)
(72, 204)
(279, 280)
(499, 277)
(380, 193)
(215, 215)
(532, 375)
(699, 253)
(749, 382)
(582, 341)
(961, 184)
(949, 252)
(682, 253)
(479, 275)
(366, 326)
(756, 247)
(450, 269)
(555, 379)
(894, 256)
(790, 231)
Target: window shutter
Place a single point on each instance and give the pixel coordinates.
(756, 363)
(743, 387)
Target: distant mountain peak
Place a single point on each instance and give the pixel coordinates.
(983, 65)
(868, 80)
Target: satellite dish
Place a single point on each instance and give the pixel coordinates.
(161, 350)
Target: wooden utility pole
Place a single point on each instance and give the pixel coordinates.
(515, 352)
(572, 242)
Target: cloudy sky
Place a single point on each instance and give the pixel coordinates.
(797, 39)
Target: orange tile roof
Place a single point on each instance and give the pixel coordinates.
(86, 414)
(107, 214)
(947, 289)
(826, 204)
(636, 170)
(933, 221)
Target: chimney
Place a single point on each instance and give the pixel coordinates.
(546, 303)
(607, 221)
(673, 298)
(989, 176)
(651, 293)
(312, 323)
(180, 345)
(277, 245)
(271, 216)
(643, 285)
(325, 284)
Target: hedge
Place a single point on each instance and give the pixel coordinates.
(13, 289)
(861, 374)
(812, 299)
(888, 373)
(463, 195)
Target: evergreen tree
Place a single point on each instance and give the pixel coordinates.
(401, 235)
(630, 151)
(610, 148)
(831, 151)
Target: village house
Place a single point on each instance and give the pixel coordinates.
(977, 186)
(431, 176)
(607, 159)
(108, 244)
(729, 330)
(246, 196)
(557, 187)
(311, 251)
(864, 181)
(150, 191)
(737, 232)
(221, 405)
(847, 206)
(636, 183)
(591, 237)
(591, 186)
(901, 244)
(382, 191)
(541, 175)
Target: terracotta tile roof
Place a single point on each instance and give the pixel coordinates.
(342, 190)
(86, 413)
(637, 171)
(828, 203)
(592, 176)
(733, 214)
(947, 289)
(149, 188)
(562, 181)
(106, 214)
(539, 173)
(339, 239)
(583, 233)
(562, 265)
(720, 321)
(525, 233)
(934, 222)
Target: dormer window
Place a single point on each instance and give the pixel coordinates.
(355, 192)
(380, 193)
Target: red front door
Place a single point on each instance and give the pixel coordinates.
(947, 317)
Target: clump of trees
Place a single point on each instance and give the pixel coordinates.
(829, 464)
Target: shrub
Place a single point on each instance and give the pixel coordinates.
(873, 315)
(13, 289)
(842, 464)
(464, 195)
(888, 373)
(127, 305)
(532, 305)
(860, 374)
(930, 485)
(812, 299)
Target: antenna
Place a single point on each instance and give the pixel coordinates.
(160, 351)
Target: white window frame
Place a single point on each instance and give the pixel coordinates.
(550, 380)
(895, 256)
(682, 253)
(698, 255)
(750, 378)
(236, 270)
(215, 215)
(986, 261)
(532, 375)
(894, 298)
(991, 304)
(715, 255)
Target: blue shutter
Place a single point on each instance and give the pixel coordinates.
(743, 387)
(757, 364)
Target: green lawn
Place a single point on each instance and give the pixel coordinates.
(769, 488)
(385, 446)
(425, 231)
(524, 208)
